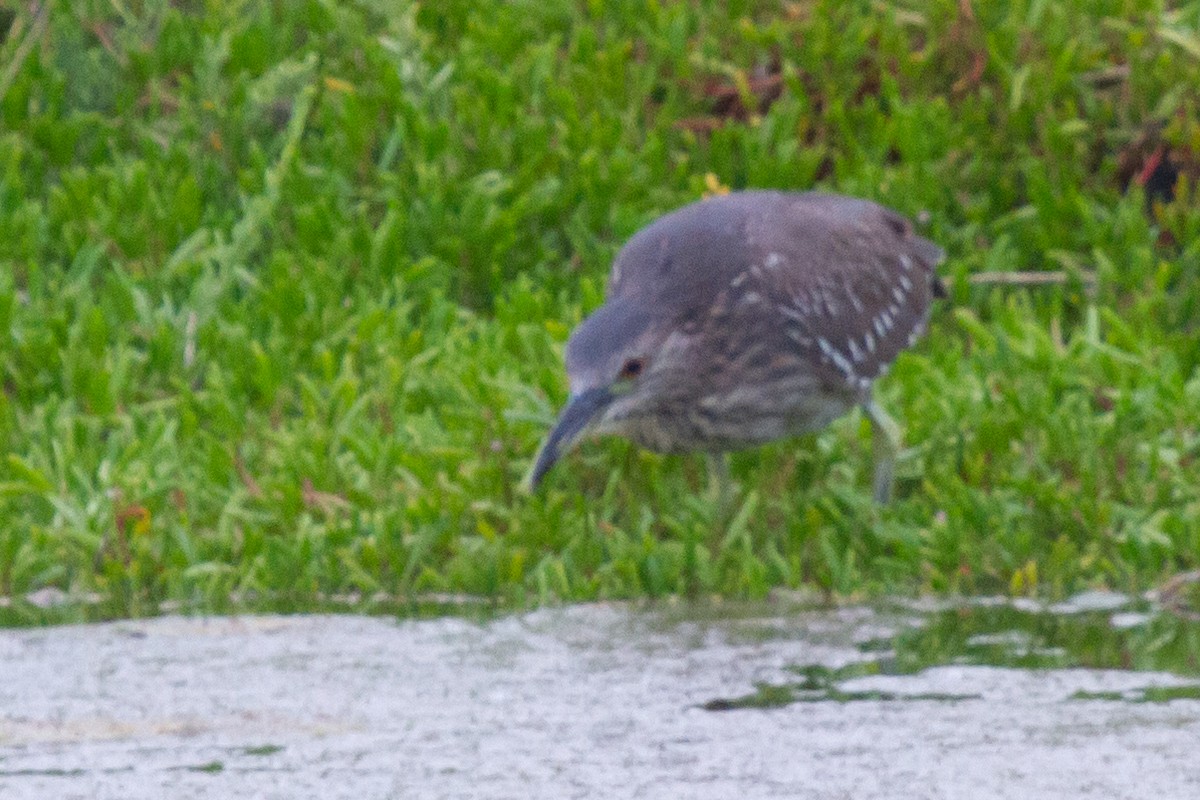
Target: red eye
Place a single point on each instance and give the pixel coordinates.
(632, 368)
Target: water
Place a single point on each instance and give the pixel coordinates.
(1099, 697)
(1098, 631)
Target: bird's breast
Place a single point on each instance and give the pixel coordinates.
(737, 418)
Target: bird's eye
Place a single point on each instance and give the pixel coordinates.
(632, 368)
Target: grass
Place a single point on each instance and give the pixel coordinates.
(284, 288)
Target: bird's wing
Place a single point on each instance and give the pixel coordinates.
(849, 281)
(846, 282)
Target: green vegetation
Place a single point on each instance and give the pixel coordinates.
(284, 286)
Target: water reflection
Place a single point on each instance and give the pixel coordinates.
(1096, 631)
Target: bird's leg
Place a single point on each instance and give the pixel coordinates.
(885, 444)
(720, 483)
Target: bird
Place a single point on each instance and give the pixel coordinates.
(747, 318)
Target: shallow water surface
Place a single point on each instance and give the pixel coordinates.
(1099, 697)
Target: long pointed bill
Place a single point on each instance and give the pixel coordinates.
(581, 409)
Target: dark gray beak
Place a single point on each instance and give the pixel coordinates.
(580, 410)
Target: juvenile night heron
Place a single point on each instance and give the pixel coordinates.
(747, 318)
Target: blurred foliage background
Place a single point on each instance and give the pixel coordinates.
(284, 285)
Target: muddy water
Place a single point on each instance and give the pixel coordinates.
(1091, 699)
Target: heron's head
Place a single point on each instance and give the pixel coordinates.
(618, 361)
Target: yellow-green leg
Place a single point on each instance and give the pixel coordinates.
(720, 482)
(885, 445)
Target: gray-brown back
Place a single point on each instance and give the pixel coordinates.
(846, 282)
